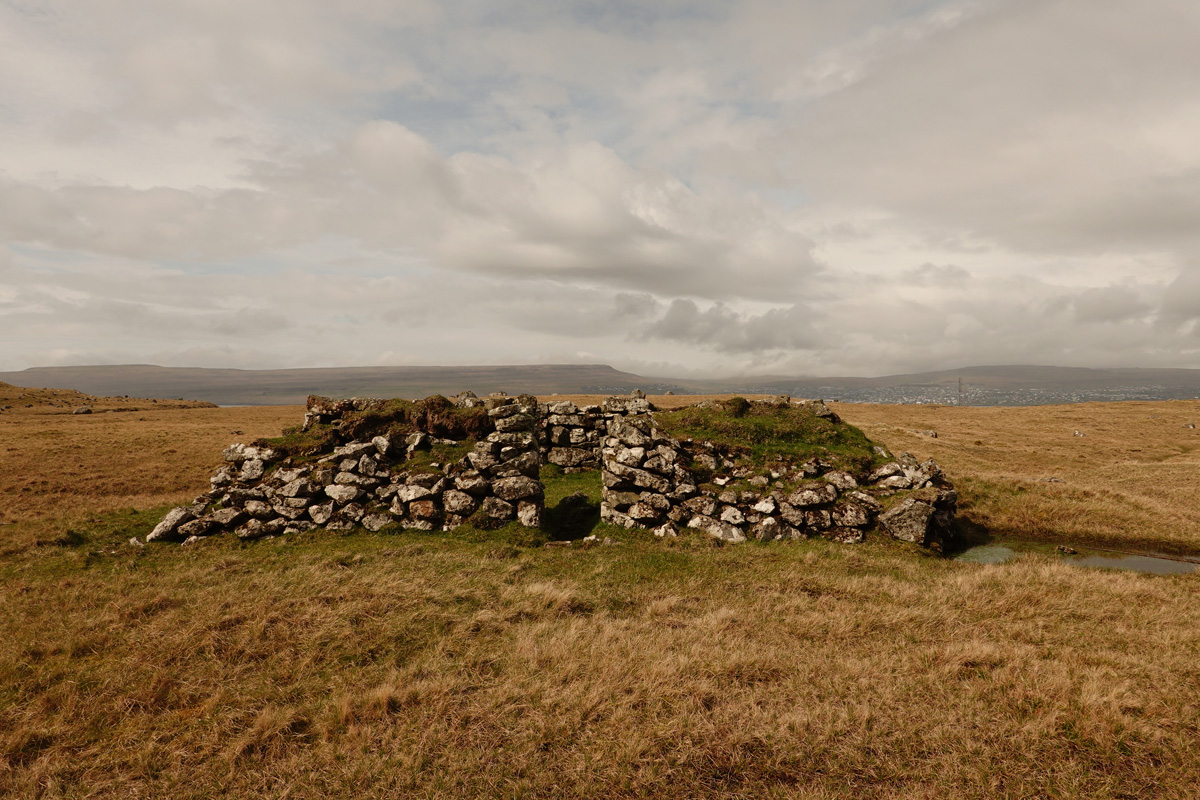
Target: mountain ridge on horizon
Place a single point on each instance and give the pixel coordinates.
(987, 385)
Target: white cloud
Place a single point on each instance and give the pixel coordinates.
(859, 187)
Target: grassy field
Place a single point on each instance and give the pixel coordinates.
(1130, 481)
(406, 664)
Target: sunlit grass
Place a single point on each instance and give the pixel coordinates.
(482, 663)
(1128, 482)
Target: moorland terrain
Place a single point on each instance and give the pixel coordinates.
(974, 386)
(413, 664)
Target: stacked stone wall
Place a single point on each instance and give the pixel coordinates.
(570, 435)
(649, 480)
(647, 483)
(372, 483)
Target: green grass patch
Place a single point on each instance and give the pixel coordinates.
(302, 445)
(763, 433)
(572, 503)
(440, 454)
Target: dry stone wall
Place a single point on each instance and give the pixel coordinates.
(570, 435)
(372, 483)
(647, 483)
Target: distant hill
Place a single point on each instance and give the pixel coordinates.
(292, 386)
(989, 385)
(984, 386)
(1001, 377)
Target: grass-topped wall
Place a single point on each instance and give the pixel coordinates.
(763, 433)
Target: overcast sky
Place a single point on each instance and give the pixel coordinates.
(675, 188)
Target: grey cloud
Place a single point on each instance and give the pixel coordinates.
(936, 275)
(905, 184)
(1109, 304)
(1135, 212)
(1013, 122)
(635, 306)
(1181, 300)
(586, 215)
(721, 329)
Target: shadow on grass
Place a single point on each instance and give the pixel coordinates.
(572, 503)
(573, 517)
(72, 538)
(967, 534)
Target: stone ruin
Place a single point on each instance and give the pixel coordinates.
(373, 482)
(649, 480)
(570, 436)
(647, 484)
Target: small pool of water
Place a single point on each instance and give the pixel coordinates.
(999, 554)
(1150, 564)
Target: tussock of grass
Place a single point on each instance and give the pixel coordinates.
(440, 454)
(301, 445)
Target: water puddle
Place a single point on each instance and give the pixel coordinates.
(1152, 565)
(1148, 564)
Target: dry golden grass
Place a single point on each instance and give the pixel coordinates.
(422, 665)
(1129, 482)
(57, 468)
(413, 666)
(19, 401)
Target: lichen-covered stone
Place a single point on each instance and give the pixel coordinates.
(423, 509)
(851, 515)
(342, 494)
(228, 517)
(197, 527)
(570, 456)
(320, 514)
(460, 503)
(529, 514)
(517, 488)
(767, 529)
(717, 529)
(168, 528)
(498, 509)
(813, 495)
(375, 522)
(252, 470)
(300, 487)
